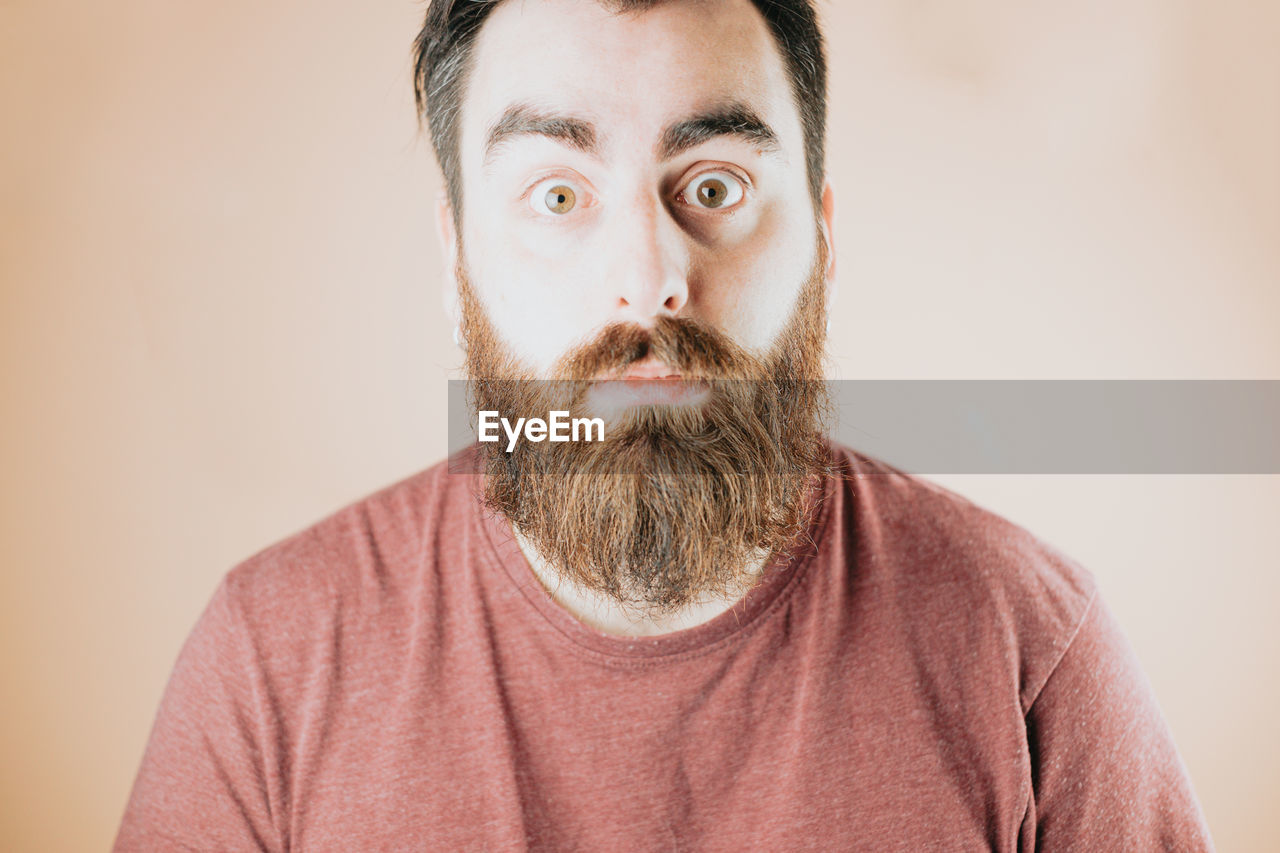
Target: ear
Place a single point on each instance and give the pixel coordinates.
(447, 233)
(828, 236)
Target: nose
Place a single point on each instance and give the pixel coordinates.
(651, 264)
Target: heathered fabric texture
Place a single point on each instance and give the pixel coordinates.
(925, 676)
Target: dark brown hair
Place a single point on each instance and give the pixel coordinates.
(442, 52)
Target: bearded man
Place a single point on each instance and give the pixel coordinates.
(710, 630)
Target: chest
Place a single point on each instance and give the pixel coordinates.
(834, 751)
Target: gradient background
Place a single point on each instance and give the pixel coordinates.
(220, 321)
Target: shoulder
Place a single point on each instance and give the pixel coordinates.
(962, 573)
(359, 563)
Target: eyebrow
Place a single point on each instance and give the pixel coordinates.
(732, 120)
(735, 120)
(525, 120)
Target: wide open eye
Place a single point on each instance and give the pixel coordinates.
(714, 191)
(554, 197)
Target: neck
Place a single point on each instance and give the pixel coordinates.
(612, 617)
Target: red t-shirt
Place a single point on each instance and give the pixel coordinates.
(924, 676)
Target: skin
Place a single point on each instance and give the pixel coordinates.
(636, 243)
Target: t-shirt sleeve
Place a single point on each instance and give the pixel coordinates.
(204, 784)
(1106, 773)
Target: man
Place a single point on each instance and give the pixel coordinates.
(709, 630)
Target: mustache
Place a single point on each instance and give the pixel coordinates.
(693, 348)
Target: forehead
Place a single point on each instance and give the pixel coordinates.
(635, 71)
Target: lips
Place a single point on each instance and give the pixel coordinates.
(648, 382)
(649, 369)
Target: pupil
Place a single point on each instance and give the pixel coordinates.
(559, 199)
(712, 193)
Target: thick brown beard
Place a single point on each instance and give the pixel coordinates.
(679, 503)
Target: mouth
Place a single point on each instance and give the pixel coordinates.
(648, 383)
(650, 370)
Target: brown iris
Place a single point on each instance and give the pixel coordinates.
(712, 193)
(560, 199)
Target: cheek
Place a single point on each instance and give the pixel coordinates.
(754, 308)
(534, 302)
(750, 291)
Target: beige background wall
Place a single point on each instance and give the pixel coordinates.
(219, 321)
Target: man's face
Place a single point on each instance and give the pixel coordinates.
(636, 205)
(623, 167)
